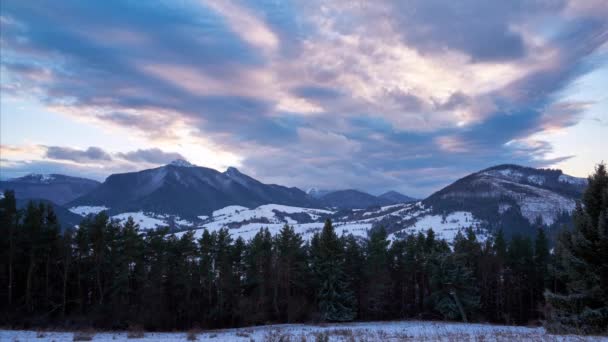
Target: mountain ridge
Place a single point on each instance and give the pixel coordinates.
(187, 196)
(57, 188)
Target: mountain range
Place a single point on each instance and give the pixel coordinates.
(185, 197)
(59, 189)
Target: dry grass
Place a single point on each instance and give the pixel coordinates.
(86, 335)
(321, 336)
(277, 335)
(135, 331)
(243, 334)
(192, 334)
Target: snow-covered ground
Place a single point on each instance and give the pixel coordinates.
(369, 331)
(85, 210)
(145, 221)
(447, 227)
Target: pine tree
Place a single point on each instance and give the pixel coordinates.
(354, 260)
(520, 283)
(9, 219)
(541, 268)
(259, 282)
(207, 275)
(582, 256)
(376, 274)
(454, 292)
(291, 273)
(335, 300)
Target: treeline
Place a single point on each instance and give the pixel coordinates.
(111, 275)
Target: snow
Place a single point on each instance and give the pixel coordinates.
(229, 210)
(446, 227)
(183, 222)
(536, 179)
(182, 163)
(503, 207)
(45, 178)
(85, 210)
(572, 180)
(364, 331)
(144, 220)
(203, 217)
(506, 173)
(236, 213)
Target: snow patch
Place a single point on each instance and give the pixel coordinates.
(85, 210)
(144, 220)
(182, 163)
(446, 227)
(572, 180)
(229, 210)
(536, 179)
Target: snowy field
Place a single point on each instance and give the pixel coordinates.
(371, 331)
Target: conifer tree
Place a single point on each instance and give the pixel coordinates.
(259, 276)
(9, 219)
(541, 268)
(334, 298)
(582, 256)
(354, 260)
(376, 275)
(291, 274)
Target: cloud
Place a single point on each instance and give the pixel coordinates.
(382, 95)
(153, 156)
(91, 154)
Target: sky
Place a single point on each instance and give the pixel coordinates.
(372, 95)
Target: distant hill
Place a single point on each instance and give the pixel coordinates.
(510, 197)
(59, 189)
(352, 199)
(397, 197)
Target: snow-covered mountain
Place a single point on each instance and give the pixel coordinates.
(56, 188)
(187, 191)
(511, 197)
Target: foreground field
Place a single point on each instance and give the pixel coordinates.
(370, 331)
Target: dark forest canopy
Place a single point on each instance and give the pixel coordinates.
(112, 275)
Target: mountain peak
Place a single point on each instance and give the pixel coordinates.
(181, 163)
(231, 170)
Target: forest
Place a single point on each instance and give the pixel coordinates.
(109, 275)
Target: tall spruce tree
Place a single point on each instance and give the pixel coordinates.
(9, 220)
(582, 257)
(334, 297)
(291, 272)
(376, 275)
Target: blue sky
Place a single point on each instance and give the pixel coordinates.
(373, 95)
